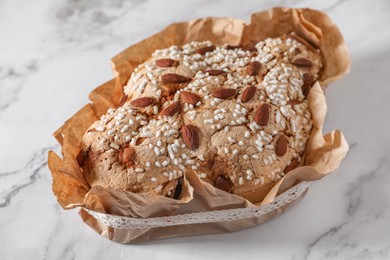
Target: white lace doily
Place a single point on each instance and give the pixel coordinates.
(120, 222)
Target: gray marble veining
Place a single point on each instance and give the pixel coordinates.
(53, 53)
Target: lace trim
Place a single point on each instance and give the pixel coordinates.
(121, 222)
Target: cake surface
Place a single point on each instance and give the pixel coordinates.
(238, 118)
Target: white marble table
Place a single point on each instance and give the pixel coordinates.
(52, 53)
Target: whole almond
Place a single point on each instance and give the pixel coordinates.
(190, 98)
(171, 110)
(164, 63)
(253, 68)
(281, 146)
(293, 164)
(142, 102)
(223, 184)
(127, 156)
(215, 72)
(308, 81)
(190, 136)
(224, 93)
(261, 115)
(174, 78)
(294, 102)
(252, 49)
(248, 94)
(233, 47)
(302, 62)
(205, 49)
(123, 100)
(140, 140)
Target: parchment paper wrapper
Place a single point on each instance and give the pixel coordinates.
(323, 153)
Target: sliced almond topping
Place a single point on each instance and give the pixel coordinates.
(190, 136)
(143, 101)
(224, 93)
(190, 98)
(261, 115)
